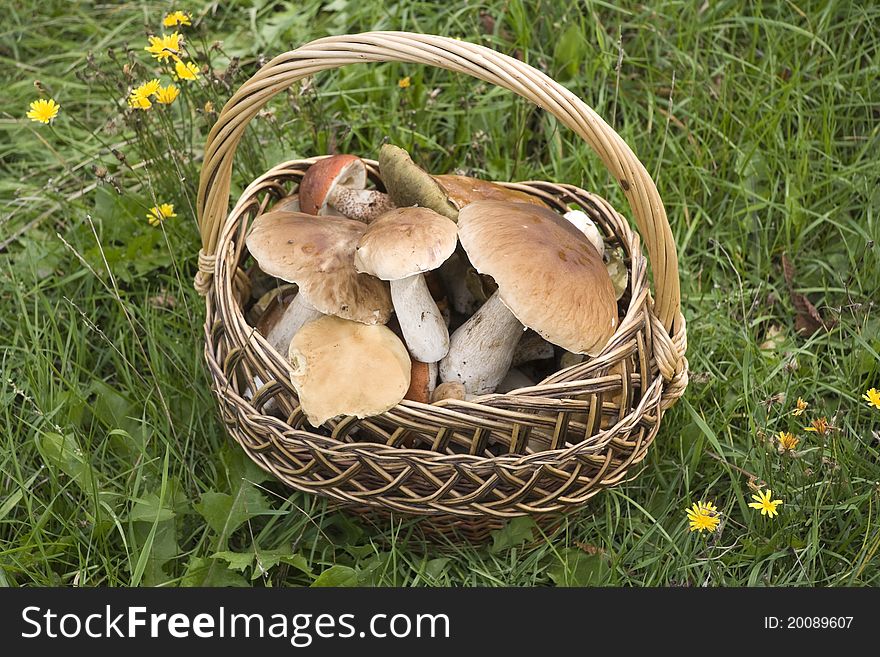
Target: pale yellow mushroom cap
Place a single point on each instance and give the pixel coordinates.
(549, 274)
(318, 255)
(405, 242)
(340, 367)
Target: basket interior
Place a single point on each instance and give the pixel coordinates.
(541, 449)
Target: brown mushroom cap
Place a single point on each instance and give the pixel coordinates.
(319, 257)
(404, 242)
(320, 179)
(340, 367)
(549, 275)
(462, 190)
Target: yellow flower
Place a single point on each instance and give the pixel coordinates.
(873, 398)
(404, 83)
(167, 95)
(787, 441)
(819, 425)
(164, 46)
(138, 100)
(703, 516)
(149, 88)
(160, 213)
(186, 71)
(177, 18)
(801, 407)
(43, 110)
(762, 502)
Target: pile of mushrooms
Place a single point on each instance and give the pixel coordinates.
(437, 287)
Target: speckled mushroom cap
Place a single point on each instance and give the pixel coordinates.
(462, 190)
(404, 242)
(340, 367)
(318, 255)
(549, 275)
(322, 177)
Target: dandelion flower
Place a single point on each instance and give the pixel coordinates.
(43, 110)
(764, 504)
(167, 95)
(149, 88)
(800, 407)
(186, 71)
(873, 398)
(138, 100)
(404, 83)
(787, 441)
(819, 425)
(176, 18)
(164, 46)
(160, 213)
(703, 516)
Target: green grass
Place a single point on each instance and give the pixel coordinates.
(761, 126)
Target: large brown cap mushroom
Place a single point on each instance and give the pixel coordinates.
(399, 247)
(339, 182)
(548, 273)
(462, 190)
(319, 257)
(550, 278)
(339, 367)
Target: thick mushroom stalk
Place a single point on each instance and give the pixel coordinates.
(481, 350)
(550, 278)
(421, 322)
(339, 183)
(399, 247)
(359, 204)
(298, 313)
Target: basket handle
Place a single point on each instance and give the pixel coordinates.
(462, 57)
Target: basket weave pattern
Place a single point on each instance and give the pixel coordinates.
(545, 449)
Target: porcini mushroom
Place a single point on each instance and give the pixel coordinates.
(319, 257)
(287, 204)
(340, 367)
(422, 382)
(462, 190)
(583, 223)
(550, 278)
(339, 182)
(399, 247)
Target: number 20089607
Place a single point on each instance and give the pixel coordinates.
(808, 622)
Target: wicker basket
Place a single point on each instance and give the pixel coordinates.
(468, 465)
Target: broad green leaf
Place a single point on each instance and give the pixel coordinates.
(577, 568)
(339, 576)
(61, 453)
(570, 51)
(225, 513)
(148, 509)
(210, 572)
(237, 560)
(515, 532)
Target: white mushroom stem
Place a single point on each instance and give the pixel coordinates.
(359, 204)
(296, 315)
(421, 322)
(481, 350)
